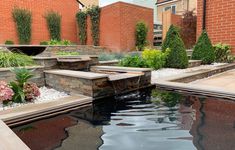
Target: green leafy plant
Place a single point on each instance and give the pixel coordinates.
(177, 56)
(133, 61)
(44, 43)
(141, 32)
(223, 53)
(8, 59)
(81, 17)
(23, 20)
(22, 76)
(9, 42)
(203, 49)
(94, 13)
(154, 58)
(64, 53)
(56, 42)
(54, 24)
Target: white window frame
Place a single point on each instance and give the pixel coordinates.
(174, 5)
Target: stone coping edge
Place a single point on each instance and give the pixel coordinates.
(75, 74)
(197, 89)
(31, 112)
(123, 69)
(9, 140)
(27, 67)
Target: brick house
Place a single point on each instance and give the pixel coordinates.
(219, 20)
(177, 7)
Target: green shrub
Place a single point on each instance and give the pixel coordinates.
(9, 42)
(64, 53)
(8, 59)
(81, 17)
(177, 56)
(223, 53)
(203, 49)
(154, 58)
(94, 13)
(133, 61)
(54, 25)
(44, 43)
(22, 76)
(141, 32)
(23, 20)
(56, 42)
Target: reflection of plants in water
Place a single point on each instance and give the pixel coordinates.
(169, 99)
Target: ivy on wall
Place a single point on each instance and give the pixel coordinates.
(94, 13)
(141, 33)
(81, 18)
(23, 21)
(54, 24)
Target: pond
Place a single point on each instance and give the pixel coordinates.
(147, 120)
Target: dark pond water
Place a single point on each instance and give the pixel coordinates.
(144, 120)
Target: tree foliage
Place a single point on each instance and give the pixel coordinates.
(141, 32)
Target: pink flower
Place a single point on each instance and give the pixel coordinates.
(31, 91)
(6, 92)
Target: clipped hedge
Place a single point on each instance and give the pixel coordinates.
(223, 53)
(23, 21)
(54, 24)
(176, 56)
(203, 49)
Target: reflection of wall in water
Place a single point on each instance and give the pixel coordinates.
(214, 128)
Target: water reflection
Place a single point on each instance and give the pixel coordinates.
(145, 120)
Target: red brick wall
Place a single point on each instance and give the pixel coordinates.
(40, 33)
(220, 22)
(117, 26)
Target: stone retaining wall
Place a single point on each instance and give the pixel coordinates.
(96, 88)
(7, 75)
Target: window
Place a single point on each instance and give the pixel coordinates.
(172, 8)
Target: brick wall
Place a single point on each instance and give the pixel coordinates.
(220, 21)
(40, 33)
(117, 26)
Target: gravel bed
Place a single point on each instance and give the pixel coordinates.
(168, 72)
(47, 94)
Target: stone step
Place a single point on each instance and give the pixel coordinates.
(194, 63)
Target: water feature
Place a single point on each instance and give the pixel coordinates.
(140, 120)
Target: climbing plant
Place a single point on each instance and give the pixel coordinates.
(23, 21)
(141, 32)
(54, 24)
(81, 18)
(94, 13)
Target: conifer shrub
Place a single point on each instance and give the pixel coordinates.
(203, 49)
(176, 56)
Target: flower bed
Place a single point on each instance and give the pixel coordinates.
(46, 95)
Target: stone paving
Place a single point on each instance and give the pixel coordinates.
(224, 81)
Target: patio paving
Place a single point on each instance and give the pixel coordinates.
(225, 81)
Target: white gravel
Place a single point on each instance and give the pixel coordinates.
(168, 72)
(47, 95)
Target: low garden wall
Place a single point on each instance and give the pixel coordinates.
(7, 75)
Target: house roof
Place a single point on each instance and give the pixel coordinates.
(162, 1)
